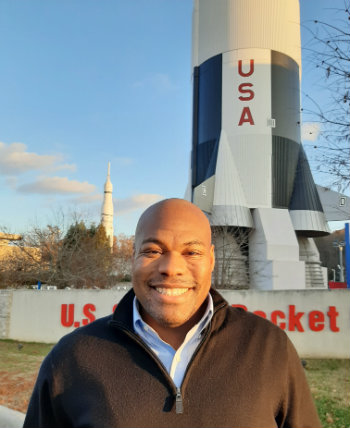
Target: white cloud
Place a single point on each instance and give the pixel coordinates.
(15, 159)
(135, 202)
(310, 131)
(65, 166)
(57, 185)
(11, 182)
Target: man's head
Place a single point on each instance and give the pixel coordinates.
(172, 263)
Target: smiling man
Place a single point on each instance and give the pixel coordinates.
(174, 353)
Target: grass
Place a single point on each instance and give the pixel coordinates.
(329, 381)
(19, 365)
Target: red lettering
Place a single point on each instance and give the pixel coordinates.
(67, 317)
(246, 116)
(260, 314)
(240, 306)
(278, 314)
(87, 311)
(251, 68)
(332, 314)
(244, 91)
(294, 319)
(316, 320)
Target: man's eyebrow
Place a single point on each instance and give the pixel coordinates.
(152, 241)
(195, 242)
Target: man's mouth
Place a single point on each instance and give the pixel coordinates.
(171, 291)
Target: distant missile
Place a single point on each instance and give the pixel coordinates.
(246, 145)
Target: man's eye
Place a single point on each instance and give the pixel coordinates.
(192, 253)
(151, 251)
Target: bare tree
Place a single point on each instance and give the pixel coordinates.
(231, 257)
(329, 51)
(77, 257)
(122, 256)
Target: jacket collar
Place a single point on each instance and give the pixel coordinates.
(123, 314)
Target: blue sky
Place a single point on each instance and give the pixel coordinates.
(84, 82)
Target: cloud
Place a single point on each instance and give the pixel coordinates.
(57, 185)
(160, 81)
(15, 159)
(135, 202)
(310, 131)
(11, 182)
(65, 166)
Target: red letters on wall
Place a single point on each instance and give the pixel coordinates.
(67, 315)
(293, 320)
(246, 115)
(316, 319)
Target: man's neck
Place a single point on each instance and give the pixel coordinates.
(174, 336)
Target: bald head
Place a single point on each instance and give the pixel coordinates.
(172, 265)
(173, 210)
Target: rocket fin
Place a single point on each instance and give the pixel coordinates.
(229, 204)
(305, 207)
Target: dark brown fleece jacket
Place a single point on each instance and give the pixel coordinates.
(244, 374)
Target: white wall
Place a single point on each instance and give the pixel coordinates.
(320, 318)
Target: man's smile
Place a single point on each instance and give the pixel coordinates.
(171, 291)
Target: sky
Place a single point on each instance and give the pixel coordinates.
(84, 82)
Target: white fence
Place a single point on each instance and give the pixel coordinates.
(317, 321)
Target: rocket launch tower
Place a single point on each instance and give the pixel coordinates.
(248, 167)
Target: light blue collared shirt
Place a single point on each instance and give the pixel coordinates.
(175, 361)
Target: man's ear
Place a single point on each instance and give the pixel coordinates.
(212, 257)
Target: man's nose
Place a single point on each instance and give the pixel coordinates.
(171, 264)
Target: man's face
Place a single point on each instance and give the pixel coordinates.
(172, 264)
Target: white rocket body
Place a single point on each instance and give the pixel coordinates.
(107, 208)
(246, 146)
(247, 158)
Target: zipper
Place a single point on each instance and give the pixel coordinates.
(179, 407)
(208, 330)
(132, 335)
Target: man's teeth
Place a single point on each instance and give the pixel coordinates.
(172, 291)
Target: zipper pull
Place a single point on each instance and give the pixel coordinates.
(179, 402)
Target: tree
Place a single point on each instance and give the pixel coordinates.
(122, 254)
(76, 256)
(329, 52)
(231, 269)
(84, 258)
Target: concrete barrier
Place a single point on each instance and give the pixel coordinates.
(317, 321)
(10, 418)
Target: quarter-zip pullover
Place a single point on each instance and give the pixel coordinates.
(244, 373)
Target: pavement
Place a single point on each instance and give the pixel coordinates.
(10, 418)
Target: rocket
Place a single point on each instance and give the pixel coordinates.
(107, 208)
(248, 166)
(246, 144)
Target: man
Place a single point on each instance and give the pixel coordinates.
(176, 355)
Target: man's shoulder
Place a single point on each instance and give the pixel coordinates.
(84, 337)
(239, 322)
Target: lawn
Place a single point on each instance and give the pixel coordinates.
(19, 365)
(329, 381)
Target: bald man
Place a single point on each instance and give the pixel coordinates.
(174, 353)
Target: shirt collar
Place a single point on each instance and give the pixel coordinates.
(201, 325)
